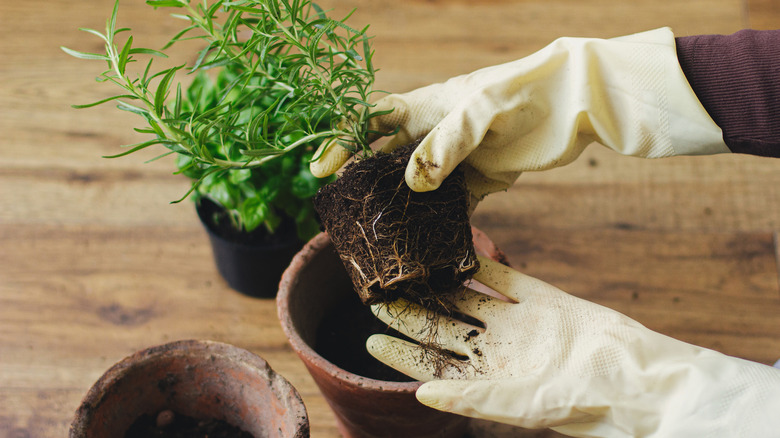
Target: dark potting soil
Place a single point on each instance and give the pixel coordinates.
(168, 424)
(395, 242)
(341, 339)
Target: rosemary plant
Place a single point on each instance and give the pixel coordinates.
(274, 79)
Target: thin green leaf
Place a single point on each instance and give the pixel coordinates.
(162, 90)
(94, 32)
(373, 114)
(177, 103)
(145, 78)
(320, 12)
(178, 37)
(108, 99)
(156, 128)
(202, 57)
(124, 106)
(147, 52)
(257, 153)
(84, 55)
(124, 55)
(195, 184)
(165, 3)
(134, 148)
(111, 24)
(159, 156)
(212, 10)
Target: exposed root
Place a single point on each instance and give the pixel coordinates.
(395, 242)
(433, 355)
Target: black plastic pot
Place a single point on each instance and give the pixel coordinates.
(251, 263)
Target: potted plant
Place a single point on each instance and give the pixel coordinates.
(191, 388)
(270, 83)
(275, 80)
(327, 326)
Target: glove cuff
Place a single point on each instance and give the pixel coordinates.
(668, 114)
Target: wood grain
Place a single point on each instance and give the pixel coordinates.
(95, 263)
(762, 14)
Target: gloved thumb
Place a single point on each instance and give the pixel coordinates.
(329, 158)
(520, 402)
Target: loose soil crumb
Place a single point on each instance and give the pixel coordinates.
(168, 424)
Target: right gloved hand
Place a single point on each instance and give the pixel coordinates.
(541, 111)
(549, 359)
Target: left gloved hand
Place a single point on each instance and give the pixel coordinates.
(549, 359)
(540, 112)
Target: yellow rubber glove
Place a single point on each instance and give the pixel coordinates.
(539, 112)
(549, 359)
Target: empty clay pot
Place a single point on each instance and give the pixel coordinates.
(312, 285)
(200, 379)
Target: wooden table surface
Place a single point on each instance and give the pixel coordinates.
(95, 263)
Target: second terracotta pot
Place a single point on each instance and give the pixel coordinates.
(311, 287)
(200, 379)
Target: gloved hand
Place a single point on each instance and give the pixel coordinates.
(549, 359)
(541, 111)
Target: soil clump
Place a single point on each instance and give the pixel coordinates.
(394, 242)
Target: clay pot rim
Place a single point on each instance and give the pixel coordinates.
(185, 347)
(205, 349)
(311, 249)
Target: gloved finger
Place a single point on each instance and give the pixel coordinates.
(390, 121)
(398, 119)
(525, 402)
(509, 282)
(447, 145)
(479, 185)
(401, 138)
(474, 183)
(478, 305)
(329, 158)
(419, 363)
(425, 326)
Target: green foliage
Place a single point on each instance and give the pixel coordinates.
(273, 80)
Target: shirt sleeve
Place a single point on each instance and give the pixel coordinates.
(737, 79)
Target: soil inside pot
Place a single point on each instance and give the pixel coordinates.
(168, 424)
(341, 339)
(395, 242)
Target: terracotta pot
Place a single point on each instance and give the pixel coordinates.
(200, 379)
(312, 285)
(249, 265)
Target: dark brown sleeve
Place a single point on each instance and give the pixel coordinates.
(737, 79)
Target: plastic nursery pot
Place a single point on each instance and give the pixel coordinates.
(314, 283)
(200, 379)
(249, 264)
